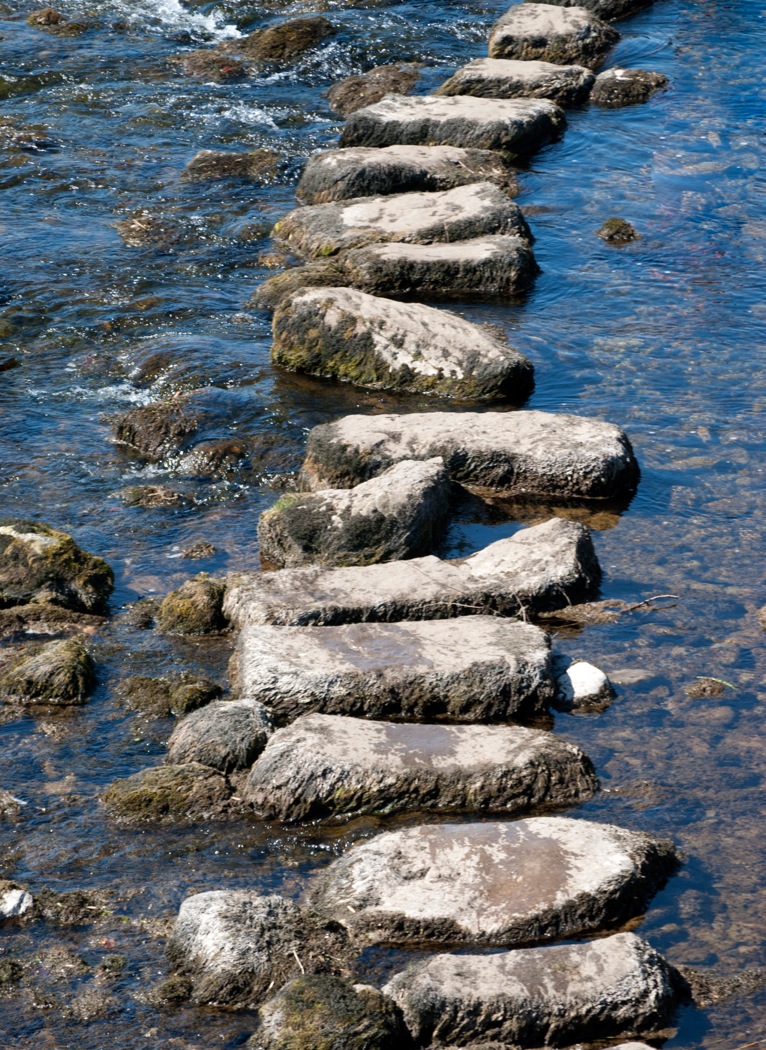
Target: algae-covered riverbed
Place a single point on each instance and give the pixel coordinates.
(665, 337)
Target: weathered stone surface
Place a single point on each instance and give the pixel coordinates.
(538, 568)
(516, 126)
(476, 210)
(609, 10)
(236, 946)
(399, 514)
(163, 697)
(195, 608)
(364, 89)
(517, 453)
(258, 165)
(580, 685)
(408, 347)
(555, 996)
(475, 669)
(227, 735)
(369, 172)
(484, 267)
(321, 273)
(625, 87)
(183, 793)
(546, 32)
(282, 42)
(492, 883)
(57, 673)
(333, 766)
(39, 564)
(508, 78)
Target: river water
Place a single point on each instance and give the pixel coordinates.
(665, 337)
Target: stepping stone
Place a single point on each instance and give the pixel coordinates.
(226, 735)
(609, 10)
(516, 126)
(529, 453)
(472, 669)
(399, 514)
(382, 344)
(485, 267)
(617, 87)
(565, 35)
(556, 996)
(494, 883)
(341, 174)
(507, 78)
(414, 218)
(333, 766)
(539, 568)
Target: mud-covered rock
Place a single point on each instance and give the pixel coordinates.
(57, 673)
(364, 89)
(180, 794)
(283, 42)
(162, 697)
(39, 564)
(195, 608)
(626, 87)
(342, 174)
(554, 996)
(492, 883)
(323, 1012)
(617, 231)
(508, 78)
(236, 946)
(258, 166)
(548, 33)
(227, 735)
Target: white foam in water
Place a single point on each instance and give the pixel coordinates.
(174, 15)
(245, 114)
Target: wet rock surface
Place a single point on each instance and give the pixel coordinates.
(211, 64)
(283, 42)
(494, 884)
(163, 697)
(538, 568)
(545, 32)
(508, 78)
(195, 608)
(406, 347)
(258, 165)
(580, 685)
(400, 514)
(540, 996)
(618, 232)
(364, 89)
(227, 735)
(618, 87)
(333, 766)
(15, 900)
(58, 673)
(183, 793)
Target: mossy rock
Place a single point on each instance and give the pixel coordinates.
(258, 165)
(163, 697)
(195, 608)
(58, 673)
(283, 42)
(322, 1012)
(324, 273)
(211, 64)
(184, 793)
(42, 565)
(617, 231)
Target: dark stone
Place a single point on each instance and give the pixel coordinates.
(153, 496)
(283, 42)
(617, 231)
(626, 87)
(228, 735)
(365, 88)
(59, 673)
(195, 608)
(182, 794)
(162, 697)
(211, 64)
(321, 274)
(259, 165)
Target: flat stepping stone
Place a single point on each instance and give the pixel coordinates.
(408, 347)
(508, 78)
(554, 996)
(546, 32)
(516, 126)
(415, 218)
(609, 10)
(342, 174)
(399, 514)
(529, 453)
(475, 669)
(539, 568)
(494, 884)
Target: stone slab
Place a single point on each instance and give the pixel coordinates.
(471, 669)
(342, 174)
(516, 126)
(401, 513)
(529, 453)
(476, 210)
(549, 33)
(494, 883)
(335, 766)
(408, 347)
(509, 78)
(553, 996)
(539, 568)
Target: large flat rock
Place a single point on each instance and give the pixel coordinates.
(539, 568)
(334, 766)
(408, 347)
(609, 10)
(342, 174)
(553, 996)
(399, 514)
(528, 453)
(509, 78)
(494, 883)
(516, 126)
(547, 32)
(459, 214)
(472, 669)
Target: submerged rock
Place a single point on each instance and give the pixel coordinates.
(548, 33)
(184, 793)
(494, 884)
(258, 165)
(617, 231)
(626, 87)
(57, 673)
(39, 564)
(53, 21)
(558, 996)
(507, 78)
(210, 63)
(195, 608)
(156, 431)
(364, 89)
(227, 735)
(162, 697)
(407, 347)
(283, 42)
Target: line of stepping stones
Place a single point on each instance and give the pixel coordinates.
(375, 678)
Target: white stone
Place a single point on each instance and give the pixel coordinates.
(580, 684)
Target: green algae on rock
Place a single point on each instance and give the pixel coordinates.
(163, 697)
(183, 793)
(617, 231)
(58, 673)
(195, 608)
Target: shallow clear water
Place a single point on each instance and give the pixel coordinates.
(665, 337)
